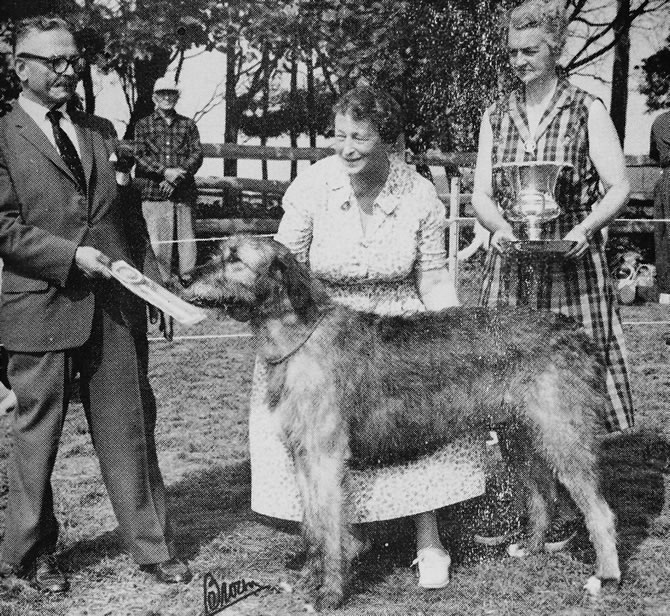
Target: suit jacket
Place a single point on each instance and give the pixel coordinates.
(47, 304)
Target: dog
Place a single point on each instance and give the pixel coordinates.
(357, 389)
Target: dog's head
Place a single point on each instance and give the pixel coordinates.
(255, 277)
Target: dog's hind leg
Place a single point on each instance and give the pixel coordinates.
(599, 518)
(562, 412)
(538, 481)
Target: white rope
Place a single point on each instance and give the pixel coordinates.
(200, 337)
(248, 335)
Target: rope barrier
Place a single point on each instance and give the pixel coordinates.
(200, 337)
(249, 335)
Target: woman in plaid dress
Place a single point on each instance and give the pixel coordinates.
(548, 119)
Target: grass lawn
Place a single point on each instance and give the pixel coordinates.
(202, 388)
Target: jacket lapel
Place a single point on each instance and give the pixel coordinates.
(34, 135)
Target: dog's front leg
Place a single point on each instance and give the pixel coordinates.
(320, 469)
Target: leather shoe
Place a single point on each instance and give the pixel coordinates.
(46, 576)
(172, 571)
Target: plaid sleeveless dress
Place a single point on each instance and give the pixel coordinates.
(579, 288)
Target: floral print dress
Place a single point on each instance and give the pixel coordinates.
(374, 271)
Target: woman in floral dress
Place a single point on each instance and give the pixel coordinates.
(372, 230)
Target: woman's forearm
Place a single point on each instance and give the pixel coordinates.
(607, 210)
(488, 213)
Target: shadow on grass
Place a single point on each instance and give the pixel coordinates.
(632, 466)
(216, 500)
(633, 469)
(207, 503)
(202, 505)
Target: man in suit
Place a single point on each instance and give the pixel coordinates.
(64, 215)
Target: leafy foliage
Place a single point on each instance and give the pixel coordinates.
(656, 86)
(289, 112)
(9, 83)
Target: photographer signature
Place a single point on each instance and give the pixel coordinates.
(219, 596)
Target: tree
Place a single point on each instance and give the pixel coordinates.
(656, 86)
(9, 82)
(600, 28)
(141, 38)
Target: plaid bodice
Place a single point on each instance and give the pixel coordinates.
(562, 135)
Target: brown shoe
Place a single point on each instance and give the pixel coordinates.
(172, 571)
(45, 575)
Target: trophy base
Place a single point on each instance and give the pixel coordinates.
(543, 248)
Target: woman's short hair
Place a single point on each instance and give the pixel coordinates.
(548, 15)
(375, 106)
(42, 23)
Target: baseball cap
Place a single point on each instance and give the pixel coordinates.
(164, 84)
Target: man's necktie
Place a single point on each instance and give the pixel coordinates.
(67, 150)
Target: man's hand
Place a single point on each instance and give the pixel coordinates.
(166, 189)
(174, 175)
(92, 262)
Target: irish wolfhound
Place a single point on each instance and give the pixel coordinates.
(358, 389)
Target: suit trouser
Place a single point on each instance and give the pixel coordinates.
(121, 412)
(168, 221)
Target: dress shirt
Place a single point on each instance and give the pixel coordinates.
(38, 113)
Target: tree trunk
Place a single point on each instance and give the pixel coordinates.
(146, 73)
(265, 108)
(89, 96)
(293, 133)
(311, 99)
(620, 67)
(232, 123)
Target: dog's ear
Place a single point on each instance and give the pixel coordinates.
(296, 280)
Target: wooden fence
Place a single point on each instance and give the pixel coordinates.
(458, 168)
(217, 194)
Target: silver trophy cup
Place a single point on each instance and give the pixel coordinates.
(535, 204)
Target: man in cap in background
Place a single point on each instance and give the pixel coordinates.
(169, 153)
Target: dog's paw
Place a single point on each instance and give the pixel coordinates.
(328, 600)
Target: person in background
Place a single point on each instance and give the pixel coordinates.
(65, 216)
(372, 230)
(168, 153)
(659, 151)
(546, 118)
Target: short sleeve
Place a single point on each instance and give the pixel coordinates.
(297, 223)
(432, 251)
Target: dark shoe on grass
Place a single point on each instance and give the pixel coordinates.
(172, 571)
(45, 575)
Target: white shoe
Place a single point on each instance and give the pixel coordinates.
(8, 402)
(433, 564)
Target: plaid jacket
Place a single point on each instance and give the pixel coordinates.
(159, 145)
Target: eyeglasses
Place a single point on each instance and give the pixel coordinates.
(58, 64)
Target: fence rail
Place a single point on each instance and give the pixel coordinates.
(219, 190)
